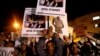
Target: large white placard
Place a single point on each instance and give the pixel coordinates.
(51, 7)
(59, 24)
(33, 24)
(6, 51)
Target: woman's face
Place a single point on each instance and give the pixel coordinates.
(50, 46)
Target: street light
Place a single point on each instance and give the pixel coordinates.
(16, 25)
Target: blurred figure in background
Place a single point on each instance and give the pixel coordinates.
(86, 49)
(74, 50)
(25, 50)
(10, 44)
(2, 41)
(66, 49)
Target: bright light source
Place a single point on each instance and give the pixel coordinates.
(96, 17)
(16, 25)
(96, 25)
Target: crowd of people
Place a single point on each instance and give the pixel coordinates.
(52, 45)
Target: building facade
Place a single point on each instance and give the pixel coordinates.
(86, 24)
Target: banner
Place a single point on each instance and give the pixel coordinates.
(6, 51)
(59, 24)
(51, 7)
(33, 24)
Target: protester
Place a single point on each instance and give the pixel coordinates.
(10, 44)
(2, 41)
(74, 50)
(87, 50)
(50, 48)
(66, 49)
(58, 44)
(42, 41)
(25, 50)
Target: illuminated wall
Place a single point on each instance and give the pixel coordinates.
(87, 21)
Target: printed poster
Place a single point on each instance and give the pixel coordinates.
(6, 51)
(59, 24)
(33, 24)
(51, 7)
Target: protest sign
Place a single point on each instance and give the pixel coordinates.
(33, 24)
(6, 51)
(59, 24)
(51, 7)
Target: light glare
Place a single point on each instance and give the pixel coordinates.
(96, 17)
(96, 25)
(16, 25)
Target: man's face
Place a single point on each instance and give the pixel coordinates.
(50, 33)
(23, 47)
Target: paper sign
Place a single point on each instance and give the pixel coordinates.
(51, 7)
(6, 51)
(33, 24)
(59, 24)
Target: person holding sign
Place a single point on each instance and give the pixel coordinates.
(58, 24)
(41, 45)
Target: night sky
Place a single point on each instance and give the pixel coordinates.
(15, 8)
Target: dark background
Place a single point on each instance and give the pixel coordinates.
(11, 9)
